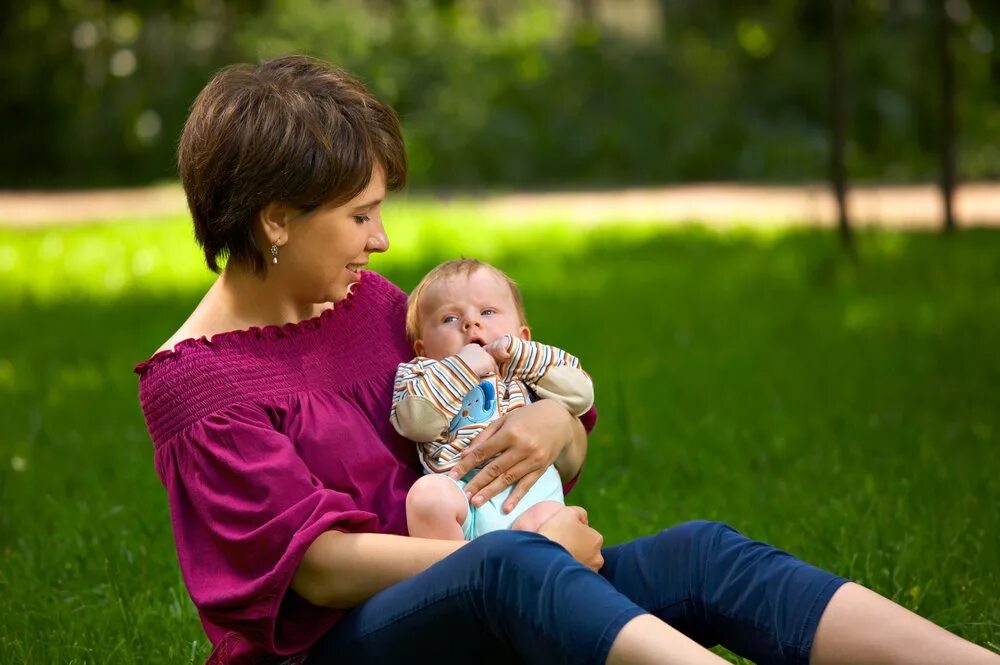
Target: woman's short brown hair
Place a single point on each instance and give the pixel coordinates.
(295, 130)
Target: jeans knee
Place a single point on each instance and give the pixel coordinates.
(691, 546)
(508, 558)
(508, 545)
(700, 533)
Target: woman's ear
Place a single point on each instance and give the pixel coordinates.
(274, 222)
(525, 333)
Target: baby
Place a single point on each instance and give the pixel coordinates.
(476, 362)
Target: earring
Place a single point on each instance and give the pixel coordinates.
(274, 253)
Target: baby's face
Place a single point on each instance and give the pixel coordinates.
(467, 309)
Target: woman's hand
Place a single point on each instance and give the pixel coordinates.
(569, 528)
(526, 441)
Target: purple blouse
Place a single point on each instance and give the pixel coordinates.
(264, 439)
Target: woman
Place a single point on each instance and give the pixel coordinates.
(269, 408)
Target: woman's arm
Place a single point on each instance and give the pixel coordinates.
(342, 570)
(570, 460)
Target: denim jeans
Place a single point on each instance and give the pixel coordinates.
(517, 597)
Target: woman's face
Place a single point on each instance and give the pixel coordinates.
(328, 246)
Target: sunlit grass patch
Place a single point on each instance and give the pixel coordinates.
(843, 411)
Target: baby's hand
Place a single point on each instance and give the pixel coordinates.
(478, 360)
(500, 348)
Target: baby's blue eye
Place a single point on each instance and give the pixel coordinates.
(487, 312)
(449, 319)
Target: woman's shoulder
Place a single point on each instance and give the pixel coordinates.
(201, 369)
(189, 330)
(210, 318)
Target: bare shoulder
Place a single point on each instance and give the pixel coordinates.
(179, 336)
(190, 329)
(206, 320)
(214, 315)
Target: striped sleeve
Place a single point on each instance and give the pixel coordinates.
(529, 361)
(442, 382)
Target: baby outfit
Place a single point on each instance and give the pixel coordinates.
(443, 405)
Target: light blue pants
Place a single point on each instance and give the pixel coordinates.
(490, 516)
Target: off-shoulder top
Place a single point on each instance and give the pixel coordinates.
(264, 439)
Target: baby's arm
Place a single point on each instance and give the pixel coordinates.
(428, 393)
(549, 371)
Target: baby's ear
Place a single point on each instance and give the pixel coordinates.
(525, 333)
(418, 347)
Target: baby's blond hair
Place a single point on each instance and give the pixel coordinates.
(450, 269)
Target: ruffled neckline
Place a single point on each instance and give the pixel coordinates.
(271, 331)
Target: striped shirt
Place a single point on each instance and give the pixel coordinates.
(462, 404)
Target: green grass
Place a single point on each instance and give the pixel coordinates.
(847, 413)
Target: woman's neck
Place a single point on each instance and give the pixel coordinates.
(238, 300)
(249, 300)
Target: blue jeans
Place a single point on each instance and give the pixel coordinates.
(517, 597)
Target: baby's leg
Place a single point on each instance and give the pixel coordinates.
(532, 518)
(436, 508)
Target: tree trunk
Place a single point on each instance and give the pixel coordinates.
(947, 64)
(838, 120)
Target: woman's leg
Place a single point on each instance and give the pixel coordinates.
(508, 596)
(719, 587)
(860, 626)
(647, 639)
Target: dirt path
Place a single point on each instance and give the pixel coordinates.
(720, 205)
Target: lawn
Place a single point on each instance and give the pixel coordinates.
(845, 412)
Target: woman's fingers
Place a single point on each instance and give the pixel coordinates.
(481, 449)
(521, 476)
(580, 512)
(493, 478)
(529, 476)
(568, 528)
(515, 442)
(507, 468)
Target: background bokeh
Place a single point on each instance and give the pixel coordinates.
(514, 93)
(839, 404)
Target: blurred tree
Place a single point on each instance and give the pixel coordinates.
(838, 121)
(947, 64)
(98, 90)
(514, 93)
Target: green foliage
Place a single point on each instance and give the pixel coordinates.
(524, 93)
(846, 413)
